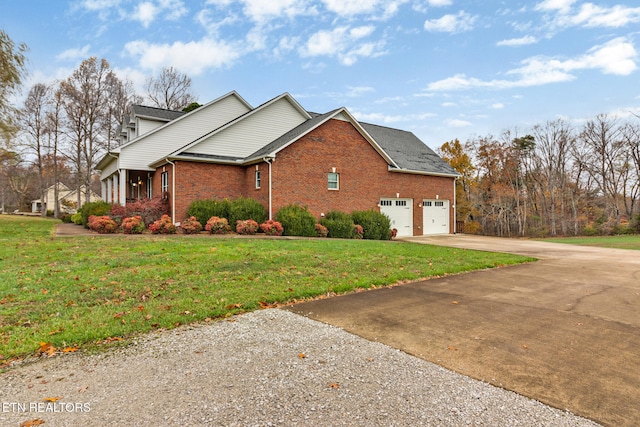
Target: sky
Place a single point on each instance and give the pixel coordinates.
(442, 69)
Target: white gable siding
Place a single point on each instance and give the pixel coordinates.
(252, 132)
(109, 169)
(145, 125)
(138, 154)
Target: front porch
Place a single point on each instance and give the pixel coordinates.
(127, 186)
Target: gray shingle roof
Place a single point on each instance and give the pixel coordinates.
(158, 113)
(409, 152)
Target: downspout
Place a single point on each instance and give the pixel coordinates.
(455, 217)
(173, 190)
(268, 160)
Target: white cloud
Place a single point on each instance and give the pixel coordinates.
(146, 13)
(617, 56)
(457, 123)
(74, 54)
(522, 41)
(344, 43)
(497, 106)
(457, 23)
(440, 3)
(381, 118)
(588, 15)
(197, 55)
(351, 7)
(262, 11)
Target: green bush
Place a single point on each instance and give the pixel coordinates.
(242, 209)
(94, 208)
(76, 218)
(339, 225)
(208, 208)
(297, 221)
(375, 225)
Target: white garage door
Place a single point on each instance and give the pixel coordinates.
(400, 212)
(435, 217)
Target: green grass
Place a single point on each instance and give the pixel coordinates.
(77, 291)
(619, 242)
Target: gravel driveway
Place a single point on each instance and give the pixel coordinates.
(269, 367)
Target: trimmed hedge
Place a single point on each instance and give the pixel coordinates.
(93, 208)
(339, 225)
(375, 225)
(297, 221)
(208, 208)
(242, 209)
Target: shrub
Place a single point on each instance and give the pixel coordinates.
(76, 218)
(93, 208)
(149, 210)
(242, 209)
(247, 226)
(207, 208)
(191, 226)
(338, 224)
(65, 218)
(321, 230)
(272, 228)
(217, 225)
(297, 221)
(102, 224)
(132, 225)
(358, 231)
(375, 225)
(164, 225)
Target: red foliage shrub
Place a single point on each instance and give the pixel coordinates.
(272, 228)
(217, 225)
(102, 224)
(132, 225)
(248, 226)
(321, 230)
(164, 225)
(191, 226)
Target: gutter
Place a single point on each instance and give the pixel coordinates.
(268, 161)
(446, 175)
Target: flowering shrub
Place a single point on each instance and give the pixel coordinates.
(149, 209)
(191, 225)
(272, 228)
(358, 231)
(321, 230)
(248, 226)
(163, 226)
(217, 225)
(133, 225)
(102, 224)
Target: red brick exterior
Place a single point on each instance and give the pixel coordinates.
(300, 173)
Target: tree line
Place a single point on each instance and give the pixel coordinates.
(63, 128)
(554, 180)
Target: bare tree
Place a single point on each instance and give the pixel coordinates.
(120, 97)
(170, 90)
(33, 121)
(603, 159)
(631, 186)
(85, 101)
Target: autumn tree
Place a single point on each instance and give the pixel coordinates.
(454, 153)
(171, 90)
(12, 72)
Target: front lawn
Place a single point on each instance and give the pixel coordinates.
(60, 294)
(619, 242)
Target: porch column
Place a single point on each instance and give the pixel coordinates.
(122, 181)
(109, 189)
(103, 191)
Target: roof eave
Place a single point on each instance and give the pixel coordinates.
(417, 172)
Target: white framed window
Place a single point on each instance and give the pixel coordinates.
(258, 179)
(333, 181)
(165, 182)
(386, 203)
(401, 203)
(440, 204)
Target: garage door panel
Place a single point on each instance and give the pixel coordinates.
(435, 214)
(400, 213)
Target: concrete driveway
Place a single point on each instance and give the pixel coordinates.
(564, 330)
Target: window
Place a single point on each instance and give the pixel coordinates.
(385, 202)
(401, 203)
(441, 204)
(165, 182)
(334, 181)
(258, 178)
(428, 204)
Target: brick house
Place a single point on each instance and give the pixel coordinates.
(279, 153)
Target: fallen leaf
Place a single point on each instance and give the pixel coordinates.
(117, 315)
(31, 423)
(52, 399)
(525, 346)
(454, 302)
(452, 348)
(46, 347)
(232, 306)
(70, 349)
(334, 385)
(266, 304)
(302, 355)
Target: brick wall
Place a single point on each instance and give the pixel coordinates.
(300, 174)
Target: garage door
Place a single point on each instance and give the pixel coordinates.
(435, 217)
(400, 212)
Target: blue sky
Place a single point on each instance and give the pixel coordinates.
(443, 69)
